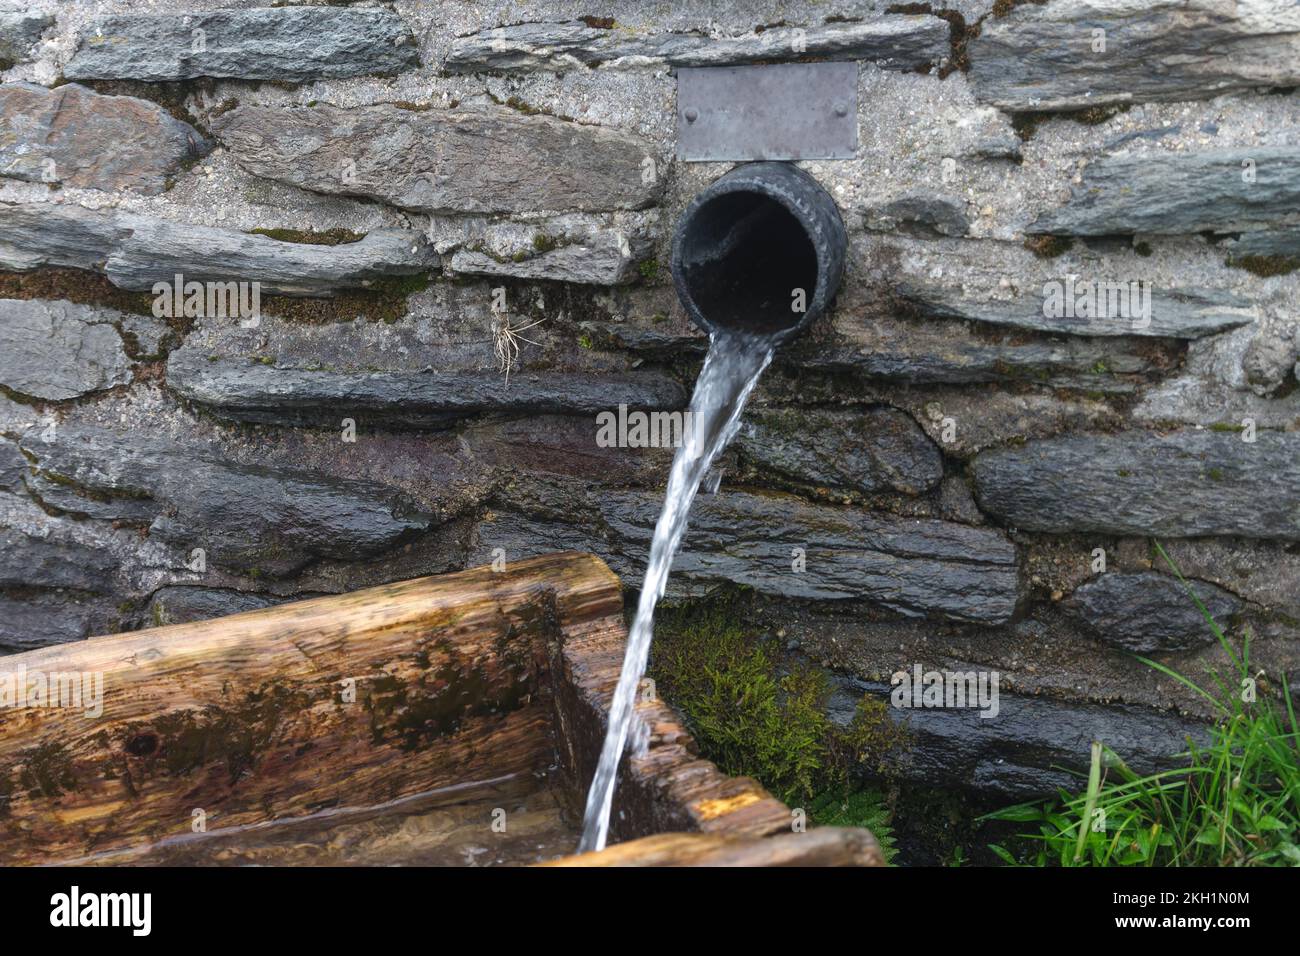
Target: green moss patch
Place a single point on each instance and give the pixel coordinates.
(384, 301)
(1027, 123)
(47, 771)
(1265, 266)
(1049, 247)
(1003, 8)
(171, 95)
(755, 713)
(84, 288)
(959, 33)
(328, 237)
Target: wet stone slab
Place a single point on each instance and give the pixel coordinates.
(252, 518)
(72, 136)
(481, 160)
(897, 42)
(1181, 484)
(291, 44)
(1073, 54)
(60, 350)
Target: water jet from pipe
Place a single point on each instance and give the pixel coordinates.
(757, 257)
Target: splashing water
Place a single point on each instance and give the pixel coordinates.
(731, 369)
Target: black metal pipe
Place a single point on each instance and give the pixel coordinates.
(757, 245)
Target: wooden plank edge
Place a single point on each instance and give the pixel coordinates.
(822, 846)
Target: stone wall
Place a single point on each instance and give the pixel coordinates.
(421, 188)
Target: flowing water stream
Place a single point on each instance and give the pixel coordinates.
(734, 362)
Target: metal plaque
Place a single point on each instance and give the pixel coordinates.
(785, 111)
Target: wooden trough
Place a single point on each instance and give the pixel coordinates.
(445, 720)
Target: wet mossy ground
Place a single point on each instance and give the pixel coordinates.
(935, 827)
(758, 709)
(757, 713)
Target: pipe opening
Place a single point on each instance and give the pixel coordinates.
(760, 251)
(748, 263)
